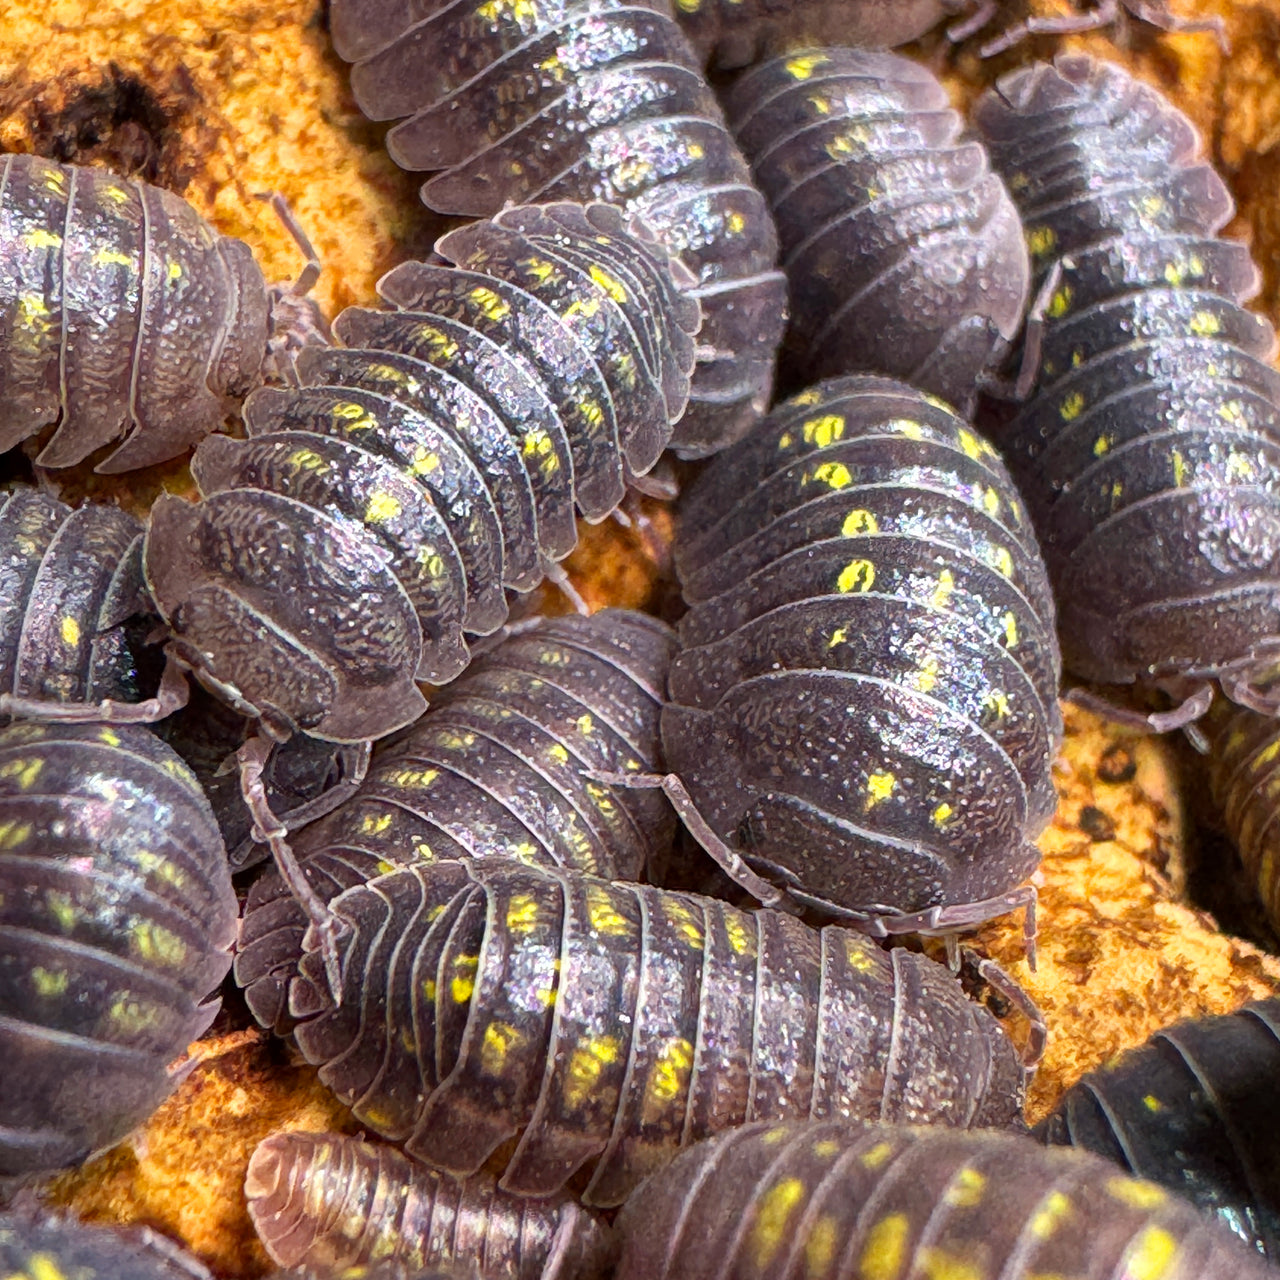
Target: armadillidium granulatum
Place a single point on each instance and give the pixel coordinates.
(821, 1201)
(1148, 453)
(603, 1025)
(510, 103)
(116, 923)
(122, 314)
(864, 705)
(501, 764)
(375, 514)
(328, 1203)
(903, 253)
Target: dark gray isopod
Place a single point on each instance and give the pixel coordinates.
(376, 513)
(864, 705)
(498, 766)
(122, 314)
(52, 1248)
(116, 922)
(585, 101)
(903, 252)
(1148, 453)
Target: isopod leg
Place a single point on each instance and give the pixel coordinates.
(960, 31)
(1003, 983)
(729, 860)
(1103, 16)
(269, 830)
(1156, 14)
(556, 575)
(1189, 710)
(170, 697)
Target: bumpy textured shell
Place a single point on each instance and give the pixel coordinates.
(116, 922)
(1148, 456)
(47, 1248)
(903, 252)
(72, 613)
(1195, 1109)
(734, 33)
(820, 1201)
(328, 1203)
(1245, 779)
(376, 513)
(122, 313)
(865, 698)
(497, 766)
(604, 1025)
(585, 100)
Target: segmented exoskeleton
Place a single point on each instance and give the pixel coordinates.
(864, 702)
(585, 100)
(375, 514)
(603, 1025)
(820, 1201)
(1148, 455)
(122, 314)
(328, 1203)
(43, 1247)
(1196, 1110)
(116, 922)
(501, 764)
(903, 252)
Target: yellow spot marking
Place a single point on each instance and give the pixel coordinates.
(152, 942)
(1152, 205)
(1152, 1103)
(540, 269)
(424, 462)
(499, 1038)
(26, 771)
(833, 474)
(908, 427)
(522, 913)
(925, 677)
(1101, 446)
(857, 575)
(838, 637)
(1239, 467)
(1047, 1219)
(1136, 1193)
(410, 778)
(1010, 629)
(430, 563)
(967, 1190)
(306, 460)
(855, 954)
(42, 239)
(801, 68)
(826, 1148)
(1232, 412)
(885, 1250)
(820, 1248)
(972, 446)
(592, 412)
(33, 311)
(490, 304)
(736, 932)
(1041, 241)
(996, 701)
(69, 629)
(382, 507)
(174, 272)
(13, 834)
(938, 1264)
(375, 824)
(611, 286)
(1179, 468)
(464, 978)
(825, 430)
(1060, 303)
(774, 1212)
(585, 725)
(43, 1266)
(559, 754)
(879, 788)
(49, 982)
(991, 502)
(941, 815)
(670, 1071)
(1072, 407)
(604, 915)
(1204, 324)
(785, 440)
(587, 1062)
(945, 589)
(859, 521)
(1002, 561)
(111, 258)
(61, 908)
(1151, 1256)
(735, 221)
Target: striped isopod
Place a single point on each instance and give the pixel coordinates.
(40, 1246)
(864, 702)
(116, 922)
(600, 1025)
(875, 1202)
(1194, 1109)
(1148, 454)
(328, 1203)
(499, 765)
(903, 252)
(585, 100)
(123, 314)
(375, 514)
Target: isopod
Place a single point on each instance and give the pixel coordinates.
(41, 1246)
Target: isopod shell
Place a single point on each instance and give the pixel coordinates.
(116, 922)
(821, 1200)
(499, 765)
(585, 101)
(1147, 454)
(38, 1246)
(124, 317)
(600, 1026)
(864, 701)
(903, 251)
(375, 514)
(329, 1203)
(1194, 1109)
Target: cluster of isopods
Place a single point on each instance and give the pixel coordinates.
(1029, 425)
